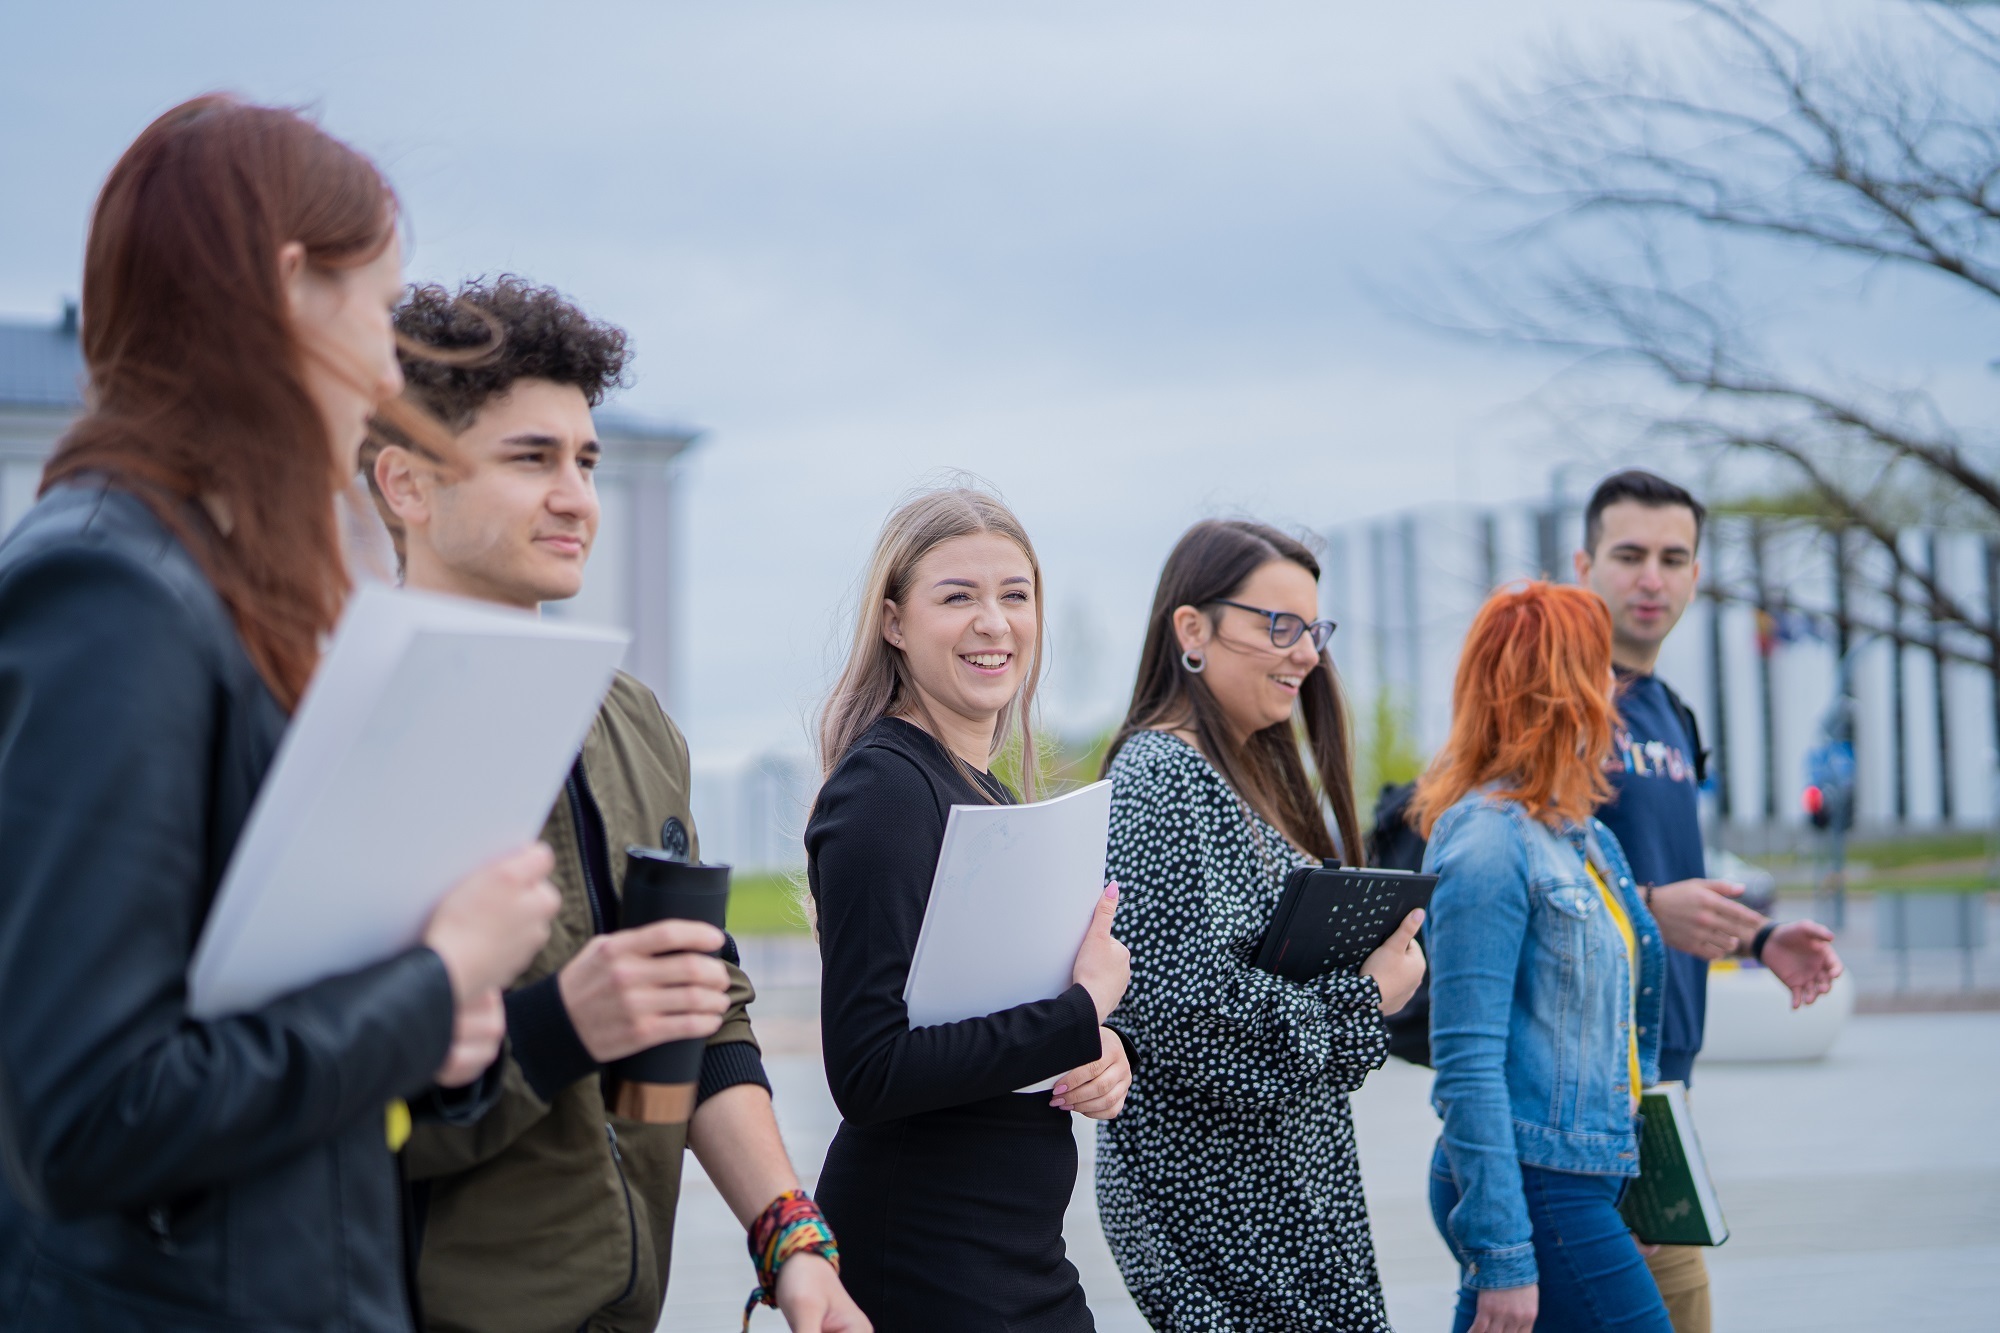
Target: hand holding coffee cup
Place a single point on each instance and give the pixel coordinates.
(657, 1085)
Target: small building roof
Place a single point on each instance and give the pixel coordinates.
(41, 365)
(41, 369)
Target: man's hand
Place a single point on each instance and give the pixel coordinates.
(1701, 917)
(1800, 954)
(813, 1301)
(1097, 1089)
(1507, 1309)
(630, 990)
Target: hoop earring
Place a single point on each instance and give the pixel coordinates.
(1193, 665)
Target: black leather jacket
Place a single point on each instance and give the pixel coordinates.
(162, 1173)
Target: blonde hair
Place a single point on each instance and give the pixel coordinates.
(876, 682)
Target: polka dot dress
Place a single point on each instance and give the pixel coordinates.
(1229, 1188)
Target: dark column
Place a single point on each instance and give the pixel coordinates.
(1938, 685)
(1718, 744)
(1993, 630)
(1843, 622)
(1548, 549)
(1489, 553)
(1766, 703)
(1899, 731)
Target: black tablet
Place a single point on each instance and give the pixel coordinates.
(1329, 919)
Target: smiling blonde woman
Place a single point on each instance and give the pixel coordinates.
(946, 1187)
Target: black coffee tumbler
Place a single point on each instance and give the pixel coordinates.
(658, 1085)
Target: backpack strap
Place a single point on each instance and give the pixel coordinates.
(1686, 715)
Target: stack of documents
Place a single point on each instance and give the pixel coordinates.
(435, 736)
(1011, 901)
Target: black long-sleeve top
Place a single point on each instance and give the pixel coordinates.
(871, 851)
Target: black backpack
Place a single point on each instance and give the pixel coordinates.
(1395, 844)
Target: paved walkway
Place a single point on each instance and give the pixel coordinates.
(1863, 1190)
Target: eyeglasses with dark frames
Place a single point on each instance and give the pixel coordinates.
(1287, 628)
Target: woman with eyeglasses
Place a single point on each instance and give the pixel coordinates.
(1230, 1189)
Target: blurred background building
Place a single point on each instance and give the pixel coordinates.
(1784, 599)
(634, 571)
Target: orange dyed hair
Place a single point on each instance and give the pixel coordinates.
(1531, 708)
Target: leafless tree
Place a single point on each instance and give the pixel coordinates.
(1647, 198)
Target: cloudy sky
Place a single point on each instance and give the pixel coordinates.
(1123, 259)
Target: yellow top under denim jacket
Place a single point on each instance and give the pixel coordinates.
(1534, 1012)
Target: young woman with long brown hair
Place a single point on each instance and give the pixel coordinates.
(1230, 1189)
(161, 611)
(1546, 979)
(946, 1187)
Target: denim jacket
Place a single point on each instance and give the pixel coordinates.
(1529, 994)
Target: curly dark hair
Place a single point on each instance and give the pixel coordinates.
(541, 335)
(459, 350)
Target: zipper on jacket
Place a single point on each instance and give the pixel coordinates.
(582, 808)
(160, 1224)
(631, 1215)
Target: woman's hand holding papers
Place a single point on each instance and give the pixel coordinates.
(489, 927)
(633, 989)
(1398, 964)
(1097, 1089)
(477, 1028)
(1103, 965)
(1104, 968)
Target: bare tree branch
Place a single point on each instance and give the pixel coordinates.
(1617, 176)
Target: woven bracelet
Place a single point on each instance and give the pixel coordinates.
(791, 1225)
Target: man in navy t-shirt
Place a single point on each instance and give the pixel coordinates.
(1657, 819)
(1639, 541)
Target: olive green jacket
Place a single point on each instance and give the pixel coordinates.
(553, 1215)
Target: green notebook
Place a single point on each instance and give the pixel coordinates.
(1672, 1202)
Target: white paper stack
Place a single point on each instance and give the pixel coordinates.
(434, 737)
(1010, 904)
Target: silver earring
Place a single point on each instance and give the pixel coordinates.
(1192, 664)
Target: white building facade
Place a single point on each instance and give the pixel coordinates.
(1405, 589)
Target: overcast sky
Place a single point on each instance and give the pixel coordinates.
(1115, 258)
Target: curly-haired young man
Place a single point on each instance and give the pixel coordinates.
(554, 1212)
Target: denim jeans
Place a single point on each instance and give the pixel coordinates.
(1592, 1277)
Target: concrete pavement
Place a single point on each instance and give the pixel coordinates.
(1863, 1191)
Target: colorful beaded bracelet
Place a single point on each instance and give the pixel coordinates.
(791, 1225)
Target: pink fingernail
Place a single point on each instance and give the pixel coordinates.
(1061, 1088)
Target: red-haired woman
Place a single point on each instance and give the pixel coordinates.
(1545, 979)
(161, 609)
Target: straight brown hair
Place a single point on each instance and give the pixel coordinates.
(197, 400)
(1211, 562)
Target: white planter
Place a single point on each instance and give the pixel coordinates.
(1751, 1019)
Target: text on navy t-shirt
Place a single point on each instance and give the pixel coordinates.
(1655, 813)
